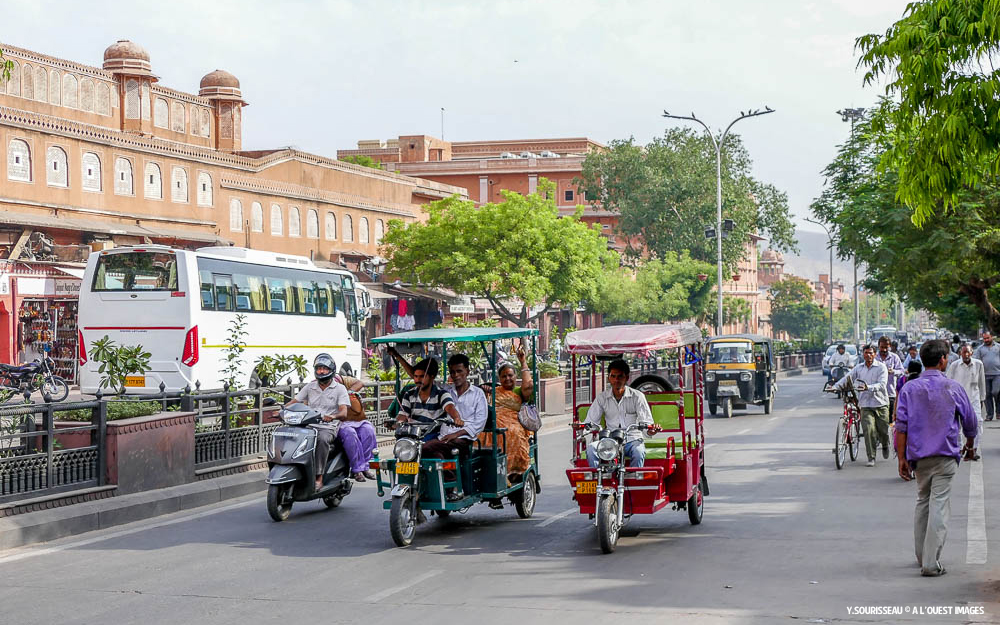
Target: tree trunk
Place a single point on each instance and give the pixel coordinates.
(979, 296)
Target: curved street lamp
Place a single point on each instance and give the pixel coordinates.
(718, 190)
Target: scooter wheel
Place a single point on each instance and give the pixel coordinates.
(332, 501)
(402, 525)
(607, 523)
(276, 506)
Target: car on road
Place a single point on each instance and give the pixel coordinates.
(852, 355)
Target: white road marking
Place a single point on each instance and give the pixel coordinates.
(742, 432)
(975, 552)
(772, 418)
(31, 553)
(555, 517)
(391, 591)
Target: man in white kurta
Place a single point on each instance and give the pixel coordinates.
(970, 373)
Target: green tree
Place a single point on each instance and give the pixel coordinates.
(516, 250)
(793, 310)
(673, 288)
(665, 196)
(6, 67)
(942, 113)
(949, 258)
(361, 159)
(734, 310)
(118, 362)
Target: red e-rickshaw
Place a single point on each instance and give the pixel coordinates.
(674, 469)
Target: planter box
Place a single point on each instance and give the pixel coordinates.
(552, 393)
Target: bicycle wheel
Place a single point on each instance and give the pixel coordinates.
(854, 440)
(840, 444)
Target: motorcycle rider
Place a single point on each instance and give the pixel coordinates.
(330, 398)
(838, 359)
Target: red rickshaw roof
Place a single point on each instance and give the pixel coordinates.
(634, 338)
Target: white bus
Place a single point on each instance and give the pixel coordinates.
(179, 305)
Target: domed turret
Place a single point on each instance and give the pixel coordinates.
(221, 85)
(126, 57)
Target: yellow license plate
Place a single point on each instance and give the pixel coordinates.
(407, 468)
(727, 383)
(134, 381)
(586, 488)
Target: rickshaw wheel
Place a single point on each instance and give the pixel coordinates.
(607, 523)
(402, 525)
(727, 408)
(696, 506)
(524, 499)
(767, 405)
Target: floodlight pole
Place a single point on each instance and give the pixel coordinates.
(718, 192)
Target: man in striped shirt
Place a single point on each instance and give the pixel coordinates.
(621, 406)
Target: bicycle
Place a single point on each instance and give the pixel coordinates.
(849, 433)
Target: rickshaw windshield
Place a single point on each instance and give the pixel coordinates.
(730, 352)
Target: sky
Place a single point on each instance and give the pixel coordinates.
(320, 75)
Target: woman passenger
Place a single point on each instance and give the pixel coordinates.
(509, 400)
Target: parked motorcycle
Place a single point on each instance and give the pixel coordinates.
(291, 462)
(34, 376)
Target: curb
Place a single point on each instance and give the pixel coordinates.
(46, 525)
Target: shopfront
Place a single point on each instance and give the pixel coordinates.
(38, 313)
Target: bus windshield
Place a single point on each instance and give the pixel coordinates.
(735, 352)
(136, 271)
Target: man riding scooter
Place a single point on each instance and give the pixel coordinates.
(840, 360)
(325, 395)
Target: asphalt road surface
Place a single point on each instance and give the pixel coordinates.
(786, 538)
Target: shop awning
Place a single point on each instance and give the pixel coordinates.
(106, 227)
(377, 294)
(73, 271)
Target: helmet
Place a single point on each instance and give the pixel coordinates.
(324, 360)
(347, 369)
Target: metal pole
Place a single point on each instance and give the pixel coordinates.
(857, 304)
(829, 282)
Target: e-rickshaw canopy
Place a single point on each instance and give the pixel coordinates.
(626, 339)
(455, 335)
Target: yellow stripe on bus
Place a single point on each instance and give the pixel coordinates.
(281, 346)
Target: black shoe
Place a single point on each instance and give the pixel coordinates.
(935, 573)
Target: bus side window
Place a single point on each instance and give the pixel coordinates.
(308, 297)
(323, 299)
(223, 292)
(338, 295)
(247, 292)
(207, 291)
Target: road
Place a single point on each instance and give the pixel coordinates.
(786, 538)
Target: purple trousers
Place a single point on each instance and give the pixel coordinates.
(358, 439)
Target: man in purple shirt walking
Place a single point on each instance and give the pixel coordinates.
(895, 368)
(932, 413)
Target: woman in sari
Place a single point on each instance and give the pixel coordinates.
(509, 400)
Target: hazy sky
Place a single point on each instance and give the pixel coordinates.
(320, 75)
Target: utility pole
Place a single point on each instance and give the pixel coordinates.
(853, 115)
(829, 283)
(718, 191)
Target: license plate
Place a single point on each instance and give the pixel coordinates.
(135, 381)
(727, 383)
(586, 488)
(407, 468)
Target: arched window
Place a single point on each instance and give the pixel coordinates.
(177, 121)
(41, 84)
(55, 87)
(276, 225)
(56, 174)
(91, 171)
(179, 186)
(18, 161)
(330, 226)
(348, 229)
(312, 224)
(256, 217)
(87, 94)
(294, 226)
(379, 231)
(123, 177)
(160, 113)
(14, 84)
(204, 189)
(235, 215)
(103, 106)
(131, 99)
(27, 82)
(206, 123)
(226, 121)
(69, 94)
(363, 230)
(153, 182)
(144, 99)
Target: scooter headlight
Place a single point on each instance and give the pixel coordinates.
(303, 448)
(607, 449)
(292, 417)
(746, 376)
(709, 376)
(405, 450)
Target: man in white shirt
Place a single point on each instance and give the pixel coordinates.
(839, 358)
(971, 374)
(621, 406)
(870, 378)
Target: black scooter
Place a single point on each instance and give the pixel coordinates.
(290, 458)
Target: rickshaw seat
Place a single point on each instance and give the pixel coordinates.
(667, 416)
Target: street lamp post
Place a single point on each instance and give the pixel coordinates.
(829, 283)
(718, 191)
(853, 115)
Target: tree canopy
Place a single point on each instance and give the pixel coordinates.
(950, 260)
(518, 249)
(943, 119)
(793, 310)
(665, 196)
(673, 288)
(361, 159)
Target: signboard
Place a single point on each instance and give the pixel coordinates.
(67, 287)
(461, 308)
(51, 287)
